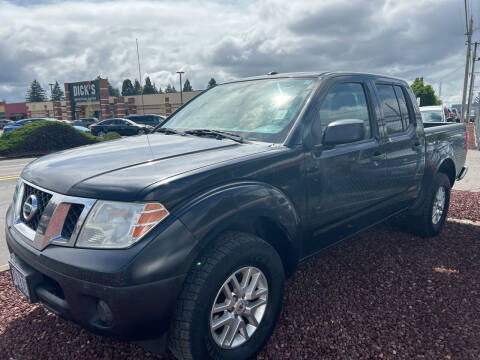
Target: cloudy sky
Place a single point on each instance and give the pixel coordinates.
(78, 40)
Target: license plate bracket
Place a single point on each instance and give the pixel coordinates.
(24, 278)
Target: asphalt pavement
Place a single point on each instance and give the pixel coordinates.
(9, 172)
(11, 169)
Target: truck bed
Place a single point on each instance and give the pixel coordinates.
(446, 137)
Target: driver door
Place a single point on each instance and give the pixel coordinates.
(345, 180)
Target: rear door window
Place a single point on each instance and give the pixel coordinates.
(402, 102)
(391, 110)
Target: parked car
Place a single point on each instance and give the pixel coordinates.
(193, 229)
(82, 129)
(4, 123)
(151, 120)
(124, 127)
(433, 113)
(85, 122)
(24, 122)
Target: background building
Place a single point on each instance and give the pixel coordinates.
(162, 104)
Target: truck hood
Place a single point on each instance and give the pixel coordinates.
(120, 169)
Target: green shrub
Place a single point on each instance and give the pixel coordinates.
(111, 135)
(43, 137)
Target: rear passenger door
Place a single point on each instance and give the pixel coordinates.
(402, 145)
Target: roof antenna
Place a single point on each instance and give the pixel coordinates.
(272, 73)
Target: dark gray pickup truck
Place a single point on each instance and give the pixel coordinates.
(191, 230)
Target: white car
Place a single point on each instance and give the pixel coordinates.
(433, 113)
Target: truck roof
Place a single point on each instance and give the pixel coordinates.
(311, 74)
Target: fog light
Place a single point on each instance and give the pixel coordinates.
(104, 313)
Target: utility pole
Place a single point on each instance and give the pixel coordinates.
(472, 79)
(467, 65)
(181, 89)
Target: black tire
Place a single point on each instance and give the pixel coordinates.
(423, 224)
(190, 336)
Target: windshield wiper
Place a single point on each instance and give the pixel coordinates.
(218, 134)
(169, 131)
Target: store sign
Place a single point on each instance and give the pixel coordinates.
(84, 91)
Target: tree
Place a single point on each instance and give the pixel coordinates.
(211, 83)
(149, 88)
(187, 87)
(127, 88)
(57, 93)
(137, 87)
(160, 91)
(35, 93)
(113, 91)
(425, 93)
(170, 89)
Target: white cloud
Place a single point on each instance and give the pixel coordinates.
(73, 41)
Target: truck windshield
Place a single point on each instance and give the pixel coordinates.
(258, 110)
(431, 115)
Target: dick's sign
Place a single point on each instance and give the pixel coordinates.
(84, 91)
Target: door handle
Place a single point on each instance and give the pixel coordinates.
(377, 155)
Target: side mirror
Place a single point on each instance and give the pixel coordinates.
(450, 119)
(343, 132)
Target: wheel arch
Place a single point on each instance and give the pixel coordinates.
(448, 168)
(254, 208)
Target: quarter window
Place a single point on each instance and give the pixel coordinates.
(345, 101)
(391, 110)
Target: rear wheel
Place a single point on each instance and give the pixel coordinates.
(101, 134)
(230, 302)
(435, 208)
(141, 132)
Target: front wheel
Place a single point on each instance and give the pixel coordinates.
(435, 208)
(101, 134)
(230, 302)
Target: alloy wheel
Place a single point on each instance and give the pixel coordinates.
(239, 307)
(438, 205)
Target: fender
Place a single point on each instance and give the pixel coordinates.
(437, 158)
(237, 206)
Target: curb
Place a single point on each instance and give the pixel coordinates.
(465, 221)
(4, 268)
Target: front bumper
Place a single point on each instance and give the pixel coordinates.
(140, 293)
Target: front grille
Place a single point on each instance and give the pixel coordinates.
(42, 198)
(71, 220)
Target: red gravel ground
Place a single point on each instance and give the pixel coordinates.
(384, 294)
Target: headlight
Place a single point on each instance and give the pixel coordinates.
(116, 225)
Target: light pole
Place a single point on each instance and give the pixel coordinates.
(181, 89)
(51, 91)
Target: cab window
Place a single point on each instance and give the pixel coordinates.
(345, 101)
(391, 110)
